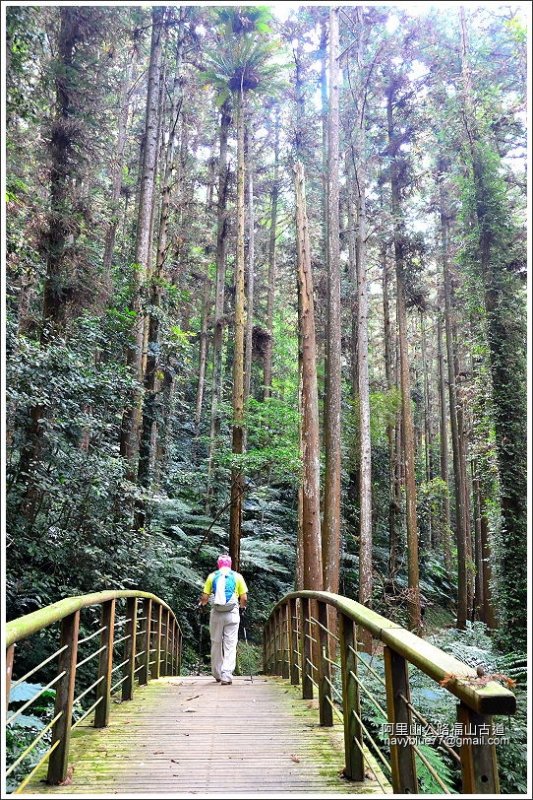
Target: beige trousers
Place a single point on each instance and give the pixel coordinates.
(224, 630)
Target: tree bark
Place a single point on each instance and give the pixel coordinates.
(444, 457)
(237, 476)
(459, 477)
(202, 355)
(312, 548)
(218, 334)
(394, 503)
(267, 374)
(129, 437)
(116, 174)
(415, 621)
(250, 265)
(331, 532)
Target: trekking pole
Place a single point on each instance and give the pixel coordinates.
(246, 640)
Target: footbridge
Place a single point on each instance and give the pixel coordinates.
(105, 709)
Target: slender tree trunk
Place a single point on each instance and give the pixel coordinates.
(267, 376)
(202, 356)
(363, 387)
(463, 461)
(456, 450)
(218, 334)
(152, 381)
(444, 457)
(116, 173)
(237, 476)
(331, 532)
(312, 549)
(352, 260)
(323, 322)
(365, 489)
(129, 437)
(415, 620)
(250, 267)
(491, 616)
(479, 585)
(391, 428)
(428, 436)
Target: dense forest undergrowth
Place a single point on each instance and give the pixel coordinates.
(265, 285)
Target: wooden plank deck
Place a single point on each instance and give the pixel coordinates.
(189, 735)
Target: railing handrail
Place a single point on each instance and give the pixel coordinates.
(491, 698)
(21, 628)
(166, 637)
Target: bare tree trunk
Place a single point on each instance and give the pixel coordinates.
(415, 620)
(363, 388)
(202, 356)
(331, 532)
(267, 375)
(463, 460)
(391, 428)
(129, 436)
(491, 617)
(222, 233)
(250, 267)
(152, 381)
(428, 436)
(459, 477)
(237, 476)
(312, 548)
(444, 458)
(116, 172)
(479, 582)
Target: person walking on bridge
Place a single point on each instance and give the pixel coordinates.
(229, 594)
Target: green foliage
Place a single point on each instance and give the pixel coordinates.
(429, 699)
(21, 733)
(244, 61)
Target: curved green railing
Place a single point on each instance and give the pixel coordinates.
(150, 646)
(310, 634)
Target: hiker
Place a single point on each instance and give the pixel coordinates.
(229, 597)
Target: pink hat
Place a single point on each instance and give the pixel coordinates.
(224, 561)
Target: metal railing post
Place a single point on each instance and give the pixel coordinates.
(105, 665)
(402, 754)
(130, 648)
(325, 698)
(354, 768)
(307, 684)
(58, 763)
(479, 767)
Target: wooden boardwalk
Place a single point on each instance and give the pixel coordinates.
(189, 735)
